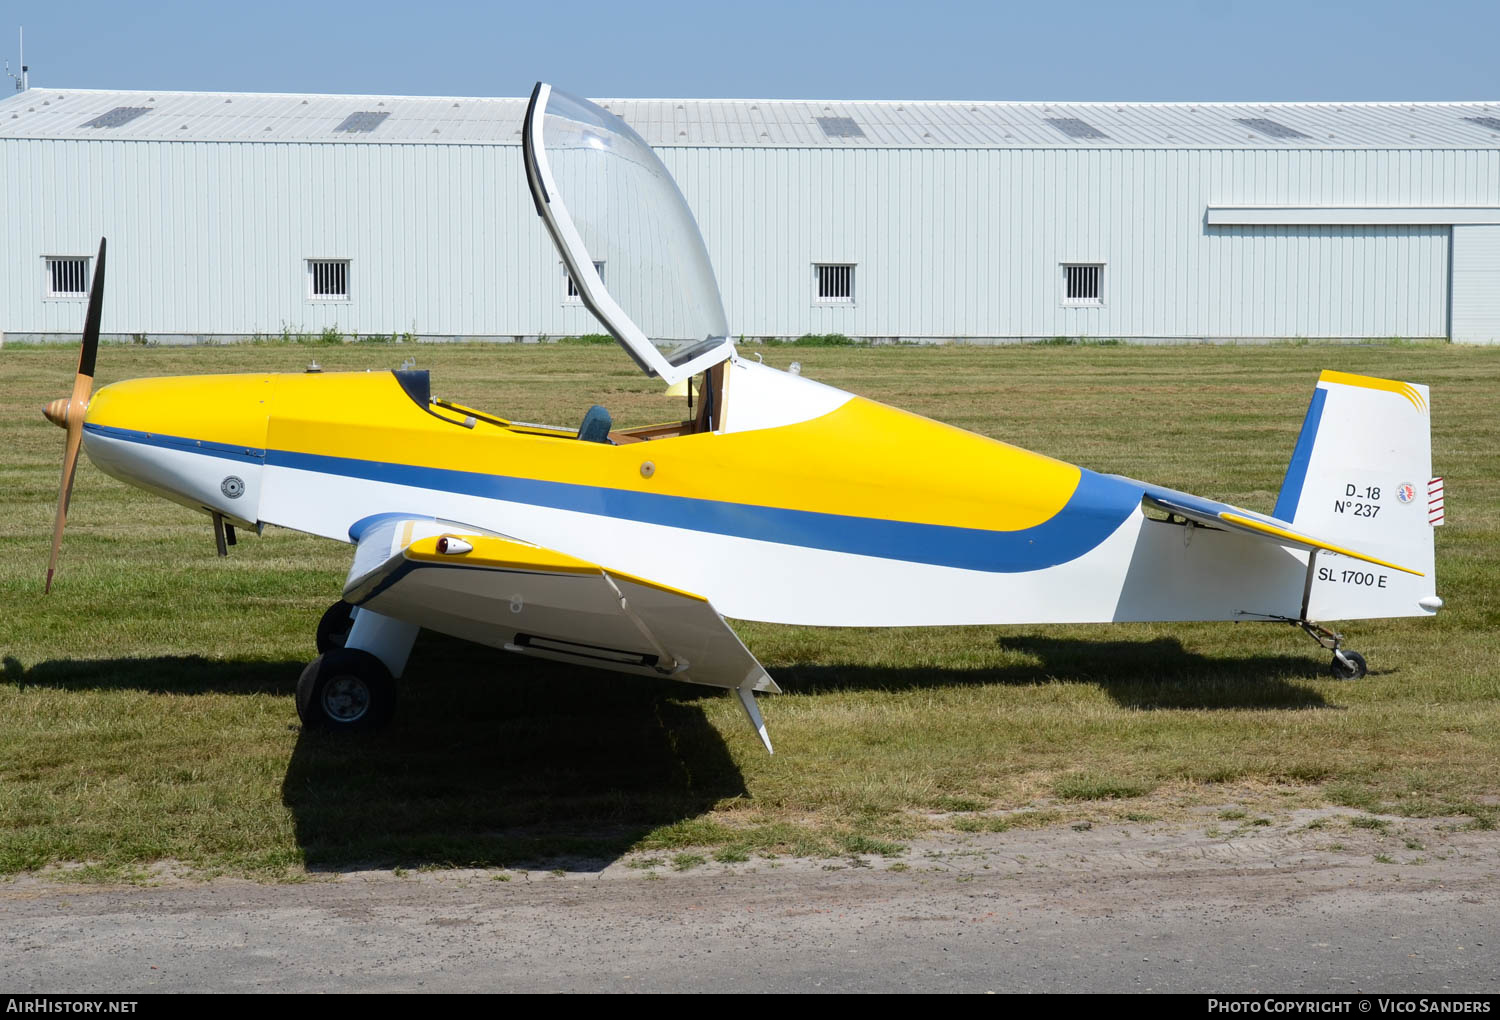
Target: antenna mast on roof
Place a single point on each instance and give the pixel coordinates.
(21, 80)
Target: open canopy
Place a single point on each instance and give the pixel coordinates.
(625, 233)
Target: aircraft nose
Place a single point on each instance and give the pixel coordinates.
(197, 440)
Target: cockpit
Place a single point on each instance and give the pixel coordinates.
(705, 414)
(605, 197)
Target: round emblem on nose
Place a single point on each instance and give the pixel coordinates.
(233, 486)
(1406, 493)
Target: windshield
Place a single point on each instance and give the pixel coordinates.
(625, 232)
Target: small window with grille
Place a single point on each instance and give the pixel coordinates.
(1083, 283)
(571, 293)
(328, 279)
(833, 283)
(67, 276)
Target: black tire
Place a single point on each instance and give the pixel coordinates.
(334, 627)
(1354, 670)
(346, 690)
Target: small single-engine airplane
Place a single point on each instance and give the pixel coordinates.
(781, 499)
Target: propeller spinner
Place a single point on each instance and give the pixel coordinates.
(68, 412)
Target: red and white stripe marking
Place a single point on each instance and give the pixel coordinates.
(1435, 502)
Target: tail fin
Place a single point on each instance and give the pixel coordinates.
(1360, 473)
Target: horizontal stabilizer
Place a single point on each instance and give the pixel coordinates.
(1232, 518)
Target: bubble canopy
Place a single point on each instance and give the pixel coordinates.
(625, 233)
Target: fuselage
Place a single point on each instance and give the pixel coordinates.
(809, 506)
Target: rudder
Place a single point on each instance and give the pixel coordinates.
(1360, 472)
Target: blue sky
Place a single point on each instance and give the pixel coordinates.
(1080, 49)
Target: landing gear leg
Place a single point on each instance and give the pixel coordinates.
(1346, 665)
(385, 637)
(354, 687)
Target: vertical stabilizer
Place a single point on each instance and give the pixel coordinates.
(1359, 475)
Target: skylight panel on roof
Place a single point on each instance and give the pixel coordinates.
(114, 118)
(1075, 128)
(1269, 128)
(1493, 123)
(840, 127)
(365, 120)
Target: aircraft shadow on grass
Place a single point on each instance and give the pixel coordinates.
(498, 761)
(1154, 674)
(494, 760)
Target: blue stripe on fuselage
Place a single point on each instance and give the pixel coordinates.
(1096, 509)
(226, 451)
(1098, 506)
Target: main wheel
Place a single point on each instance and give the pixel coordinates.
(334, 627)
(346, 689)
(1352, 670)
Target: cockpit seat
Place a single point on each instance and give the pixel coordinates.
(596, 425)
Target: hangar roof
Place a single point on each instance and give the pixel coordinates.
(216, 116)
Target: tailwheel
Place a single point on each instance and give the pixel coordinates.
(1348, 665)
(345, 690)
(334, 627)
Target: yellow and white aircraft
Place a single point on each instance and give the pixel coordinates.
(781, 499)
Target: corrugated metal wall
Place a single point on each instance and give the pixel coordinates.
(211, 238)
(1476, 283)
(970, 242)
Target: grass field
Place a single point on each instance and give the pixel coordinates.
(146, 706)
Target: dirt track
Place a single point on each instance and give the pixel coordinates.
(1141, 907)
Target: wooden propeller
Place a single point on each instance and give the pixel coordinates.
(68, 411)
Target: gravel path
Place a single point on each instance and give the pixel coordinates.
(1117, 908)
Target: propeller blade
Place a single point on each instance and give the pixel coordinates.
(90, 349)
(72, 414)
(64, 495)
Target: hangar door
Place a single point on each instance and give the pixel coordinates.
(1476, 283)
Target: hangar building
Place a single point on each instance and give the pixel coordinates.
(232, 215)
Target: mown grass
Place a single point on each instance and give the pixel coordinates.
(146, 710)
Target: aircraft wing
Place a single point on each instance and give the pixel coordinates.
(499, 591)
(1213, 514)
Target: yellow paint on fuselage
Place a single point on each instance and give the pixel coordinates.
(863, 459)
(230, 409)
